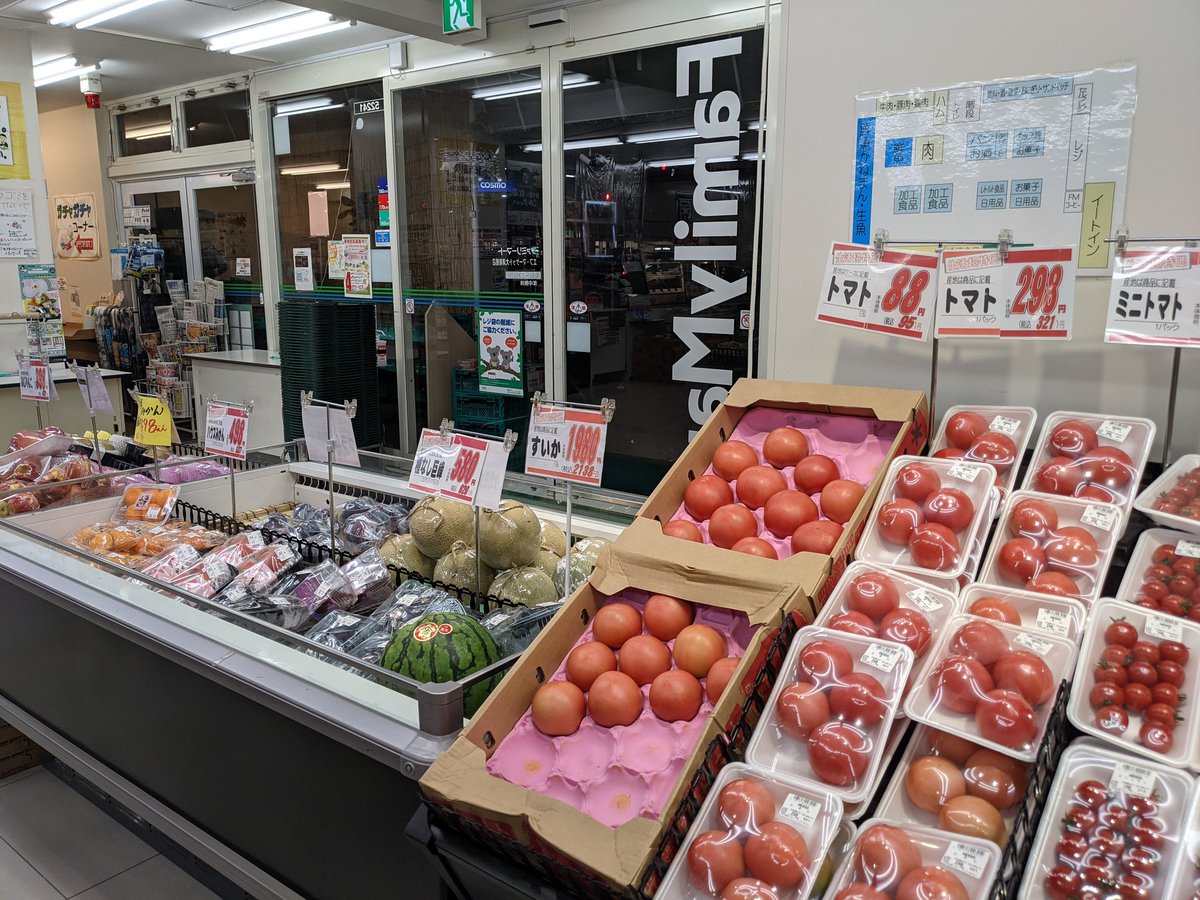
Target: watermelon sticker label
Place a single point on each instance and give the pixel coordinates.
(445, 628)
(427, 631)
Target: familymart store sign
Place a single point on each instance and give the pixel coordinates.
(460, 15)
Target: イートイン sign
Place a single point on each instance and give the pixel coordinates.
(566, 443)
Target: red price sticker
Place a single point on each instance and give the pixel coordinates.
(225, 430)
(459, 467)
(566, 443)
(1038, 298)
(890, 293)
(36, 383)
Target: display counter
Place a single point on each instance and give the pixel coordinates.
(241, 376)
(68, 412)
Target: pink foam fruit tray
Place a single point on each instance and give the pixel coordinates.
(614, 774)
(858, 445)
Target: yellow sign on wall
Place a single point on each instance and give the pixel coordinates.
(14, 157)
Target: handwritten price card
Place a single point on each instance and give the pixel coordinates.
(154, 425)
(566, 443)
(225, 430)
(459, 467)
(1155, 298)
(1038, 294)
(889, 293)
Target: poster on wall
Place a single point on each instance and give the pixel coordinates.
(337, 264)
(356, 260)
(1155, 298)
(18, 235)
(1045, 156)
(501, 363)
(14, 160)
(302, 266)
(42, 305)
(75, 227)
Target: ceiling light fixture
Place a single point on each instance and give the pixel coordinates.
(673, 134)
(307, 105)
(86, 13)
(60, 70)
(277, 31)
(314, 169)
(334, 186)
(121, 10)
(522, 88)
(148, 132)
(579, 144)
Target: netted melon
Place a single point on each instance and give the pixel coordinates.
(436, 524)
(528, 586)
(510, 536)
(583, 558)
(457, 569)
(401, 551)
(547, 561)
(553, 539)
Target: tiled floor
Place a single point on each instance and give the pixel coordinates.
(56, 844)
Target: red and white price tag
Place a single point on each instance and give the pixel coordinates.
(459, 467)
(566, 443)
(1155, 298)
(1037, 299)
(226, 430)
(968, 303)
(36, 383)
(890, 293)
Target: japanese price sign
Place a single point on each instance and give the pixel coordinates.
(225, 430)
(1155, 298)
(969, 289)
(91, 388)
(890, 293)
(36, 383)
(1038, 294)
(318, 421)
(459, 467)
(154, 425)
(566, 443)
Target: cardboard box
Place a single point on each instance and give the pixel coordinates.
(620, 856)
(814, 574)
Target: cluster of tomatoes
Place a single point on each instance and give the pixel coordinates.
(606, 675)
(1111, 845)
(930, 520)
(1142, 677)
(810, 512)
(1082, 467)
(1171, 584)
(970, 436)
(888, 865)
(1043, 556)
(753, 843)
(1184, 498)
(834, 711)
(983, 676)
(873, 610)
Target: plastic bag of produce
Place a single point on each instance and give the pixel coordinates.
(355, 506)
(279, 525)
(190, 471)
(514, 629)
(152, 503)
(205, 578)
(323, 585)
(240, 548)
(370, 577)
(170, 563)
(284, 610)
(413, 599)
(335, 629)
(366, 529)
(265, 567)
(369, 642)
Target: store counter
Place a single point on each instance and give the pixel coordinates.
(239, 376)
(68, 412)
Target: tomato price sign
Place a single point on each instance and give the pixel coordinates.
(1038, 294)
(968, 303)
(891, 292)
(459, 467)
(36, 383)
(1155, 298)
(566, 443)
(226, 429)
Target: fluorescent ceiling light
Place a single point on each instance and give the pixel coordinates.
(60, 72)
(54, 66)
(311, 104)
(86, 13)
(334, 186)
(123, 9)
(578, 145)
(147, 132)
(314, 169)
(673, 134)
(522, 88)
(277, 31)
(668, 163)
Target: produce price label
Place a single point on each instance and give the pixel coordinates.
(1036, 644)
(1164, 628)
(882, 657)
(966, 858)
(459, 467)
(225, 430)
(566, 443)
(801, 810)
(36, 383)
(964, 471)
(1114, 431)
(889, 293)
(154, 425)
(318, 422)
(1104, 517)
(1131, 780)
(91, 388)
(1054, 620)
(968, 303)
(1006, 425)
(1037, 298)
(1188, 548)
(1155, 298)
(924, 599)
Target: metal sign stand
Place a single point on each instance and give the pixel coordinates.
(351, 408)
(87, 392)
(607, 407)
(248, 407)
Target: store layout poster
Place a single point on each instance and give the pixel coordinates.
(501, 361)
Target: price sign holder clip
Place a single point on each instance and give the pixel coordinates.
(351, 408)
(248, 407)
(607, 409)
(85, 385)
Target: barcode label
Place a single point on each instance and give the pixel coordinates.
(925, 599)
(1188, 548)
(801, 810)
(966, 858)
(1054, 620)
(1114, 431)
(964, 471)
(882, 656)
(1005, 425)
(1036, 644)
(1164, 628)
(1104, 517)
(1131, 780)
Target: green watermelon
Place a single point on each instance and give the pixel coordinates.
(441, 647)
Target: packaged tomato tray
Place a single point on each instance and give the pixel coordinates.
(1053, 545)
(1111, 827)
(903, 861)
(758, 834)
(1184, 880)
(998, 435)
(1028, 609)
(1136, 682)
(1163, 574)
(1173, 499)
(889, 604)
(992, 683)
(945, 781)
(1092, 457)
(929, 515)
(829, 714)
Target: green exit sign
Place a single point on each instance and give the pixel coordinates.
(459, 15)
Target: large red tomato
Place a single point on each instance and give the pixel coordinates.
(755, 546)
(714, 859)
(960, 682)
(916, 481)
(949, 507)
(643, 658)
(824, 661)
(884, 855)
(703, 496)
(748, 889)
(802, 707)
(950, 453)
(964, 429)
(683, 529)
(1032, 518)
(995, 448)
(1058, 476)
(817, 537)
(1054, 583)
(675, 696)
(858, 699)
(858, 890)
(1073, 438)
(853, 623)
(1072, 555)
(908, 627)
(897, 519)
(995, 608)
(933, 546)
(814, 472)
(732, 457)
(874, 594)
(1005, 717)
(1109, 467)
(745, 802)
(588, 661)
(785, 447)
(787, 511)
(1025, 673)
(778, 855)
(557, 708)
(932, 883)
(840, 498)
(1020, 559)
(758, 484)
(1078, 533)
(697, 648)
(666, 616)
(615, 623)
(839, 753)
(730, 523)
(982, 641)
(615, 699)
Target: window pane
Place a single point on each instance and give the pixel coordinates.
(166, 221)
(217, 119)
(144, 131)
(653, 317)
(228, 227)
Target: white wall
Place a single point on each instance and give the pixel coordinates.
(16, 64)
(834, 50)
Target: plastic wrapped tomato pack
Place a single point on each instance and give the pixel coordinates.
(945, 781)
(1173, 499)
(1136, 682)
(889, 604)
(992, 683)
(264, 568)
(1028, 609)
(755, 830)
(1163, 573)
(929, 515)
(1053, 545)
(903, 861)
(1184, 879)
(831, 709)
(1111, 827)
(1092, 457)
(998, 435)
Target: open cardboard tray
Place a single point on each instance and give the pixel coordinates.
(619, 858)
(815, 574)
